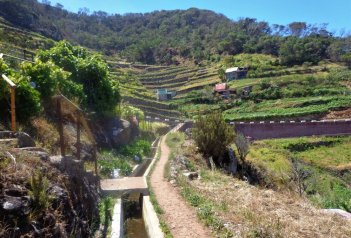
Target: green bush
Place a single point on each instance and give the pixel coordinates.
(140, 148)
(88, 70)
(27, 101)
(46, 76)
(212, 135)
(110, 163)
(27, 98)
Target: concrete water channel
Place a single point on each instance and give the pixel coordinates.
(133, 215)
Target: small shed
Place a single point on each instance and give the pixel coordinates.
(164, 94)
(235, 73)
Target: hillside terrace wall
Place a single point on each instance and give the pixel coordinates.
(285, 129)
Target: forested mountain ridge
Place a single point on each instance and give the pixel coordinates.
(167, 36)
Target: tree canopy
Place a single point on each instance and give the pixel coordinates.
(168, 36)
(88, 78)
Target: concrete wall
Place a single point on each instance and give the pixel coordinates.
(117, 220)
(152, 224)
(286, 129)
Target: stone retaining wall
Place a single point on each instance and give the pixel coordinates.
(286, 129)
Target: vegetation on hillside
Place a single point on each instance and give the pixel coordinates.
(89, 80)
(213, 135)
(167, 36)
(312, 93)
(73, 71)
(321, 164)
(234, 208)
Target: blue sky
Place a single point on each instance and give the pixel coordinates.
(336, 13)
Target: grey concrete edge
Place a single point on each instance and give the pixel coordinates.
(152, 223)
(117, 220)
(147, 172)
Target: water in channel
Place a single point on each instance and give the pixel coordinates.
(133, 216)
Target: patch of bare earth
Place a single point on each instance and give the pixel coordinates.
(257, 212)
(342, 114)
(179, 216)
(347, 84)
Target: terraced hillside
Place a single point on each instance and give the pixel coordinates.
(300, 92)
(294, 93)
(181, 79)
(19, 45)
(136, 94)
(140, 86)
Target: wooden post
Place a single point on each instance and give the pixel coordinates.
(78, 135)
(62, 139)
(13, 108)
(13, 102)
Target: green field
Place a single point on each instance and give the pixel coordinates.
(323, 163)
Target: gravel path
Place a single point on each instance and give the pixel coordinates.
(179, 216)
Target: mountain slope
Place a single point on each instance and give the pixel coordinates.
(170, 37)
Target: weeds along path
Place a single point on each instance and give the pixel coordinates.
(179, 216)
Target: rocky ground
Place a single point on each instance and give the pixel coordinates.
(37, 199)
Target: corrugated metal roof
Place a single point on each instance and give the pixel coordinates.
(232, 69)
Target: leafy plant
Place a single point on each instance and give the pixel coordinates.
(38, 191)
(27, 98)
(139, 147)
(108, 165)
(89, 71)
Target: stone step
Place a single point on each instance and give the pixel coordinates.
(34, 149)
(13, 142)
(7, 134)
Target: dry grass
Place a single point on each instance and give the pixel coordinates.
(257, 212)
(46, 134)
(48, 137)
(338, 114)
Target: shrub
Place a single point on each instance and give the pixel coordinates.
(27, 98)
(27, 101)
(45, 76)
(139, 148)
(242, 145)
(212, 135)
(38, 191)
(111, 162)
(127, 112)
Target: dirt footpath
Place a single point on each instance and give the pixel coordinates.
(179, 216)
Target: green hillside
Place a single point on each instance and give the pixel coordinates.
(173, 37)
